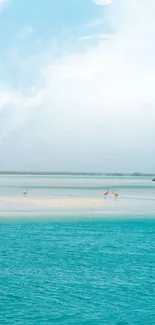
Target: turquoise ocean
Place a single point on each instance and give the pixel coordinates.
(78, 266)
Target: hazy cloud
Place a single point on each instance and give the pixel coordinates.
(95, 37)
(25, 32)
(95, 22)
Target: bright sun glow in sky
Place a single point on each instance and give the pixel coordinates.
(77, 85)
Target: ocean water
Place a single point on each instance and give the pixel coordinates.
(77, 273)
(96, 268)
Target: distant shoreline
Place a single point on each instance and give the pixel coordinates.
(41, 173)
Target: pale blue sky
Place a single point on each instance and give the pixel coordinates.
(77, 85)
(44, 29)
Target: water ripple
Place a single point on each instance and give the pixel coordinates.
(77, 273)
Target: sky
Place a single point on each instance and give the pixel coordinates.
(77, 85)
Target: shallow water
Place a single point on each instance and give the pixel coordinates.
(136, 194)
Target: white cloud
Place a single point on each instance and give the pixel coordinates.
(2, 2)
(98, 105)
(95, 37)
(103, 2)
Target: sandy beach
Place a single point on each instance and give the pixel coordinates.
(56, 202)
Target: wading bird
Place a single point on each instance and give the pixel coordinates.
(115, 194)
(25, 193)
(106, 194)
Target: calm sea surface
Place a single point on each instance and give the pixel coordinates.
(84, 270)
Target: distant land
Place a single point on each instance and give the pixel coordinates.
(74, 173)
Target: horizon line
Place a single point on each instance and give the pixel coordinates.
(74, 173)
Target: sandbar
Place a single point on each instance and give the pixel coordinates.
(75, 202)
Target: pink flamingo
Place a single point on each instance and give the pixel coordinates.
(106, 193)
(25, 193)
(115, 194)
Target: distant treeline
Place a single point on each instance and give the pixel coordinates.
(72, 173)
